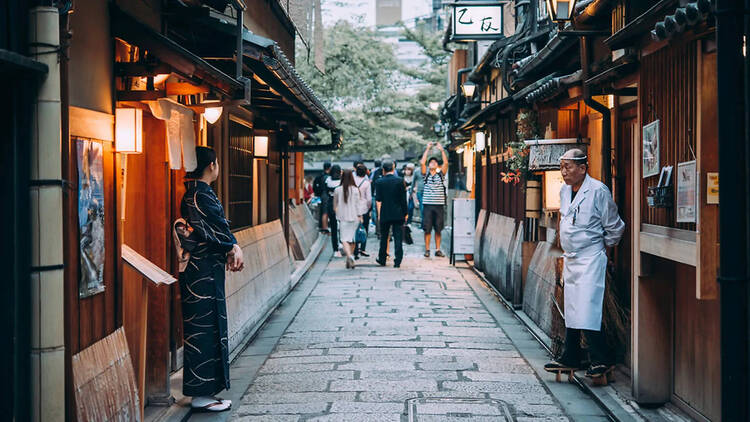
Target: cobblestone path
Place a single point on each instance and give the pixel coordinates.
(368, 340)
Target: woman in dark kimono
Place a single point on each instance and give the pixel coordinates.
(212, 249)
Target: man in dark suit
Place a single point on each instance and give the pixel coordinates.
(390, 197)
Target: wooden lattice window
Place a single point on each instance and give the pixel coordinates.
(240, 175)
(618, 16)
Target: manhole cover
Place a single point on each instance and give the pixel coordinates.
(425, 409)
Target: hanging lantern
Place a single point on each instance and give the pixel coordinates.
(479, 141)
(260, 146)
(468, 88)
(213, 108)
(561, 10)
(129, 130)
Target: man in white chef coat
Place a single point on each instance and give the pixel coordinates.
(589, 224)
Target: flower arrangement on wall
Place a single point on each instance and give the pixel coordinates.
(527, 127)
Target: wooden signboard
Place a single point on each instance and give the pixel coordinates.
(544, 154)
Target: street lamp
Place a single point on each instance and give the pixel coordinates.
(468, 88)
(561, 11)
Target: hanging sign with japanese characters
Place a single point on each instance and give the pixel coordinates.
(477, 21)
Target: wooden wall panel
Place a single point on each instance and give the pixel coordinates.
(697, 361)
(707, 238)
(668, 94)
(500, 197)
(158, 246)
(146, 229)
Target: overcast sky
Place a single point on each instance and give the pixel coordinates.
(363, 11)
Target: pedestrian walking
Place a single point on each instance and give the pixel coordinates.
(321, 192)
(410, 180)
(434, 197)
(390, 196)
(333, 181)
(377, 174)
(347, 206)
(589, 223)
(212, 249)
(365, 191)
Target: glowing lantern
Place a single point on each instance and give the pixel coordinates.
(129, 130)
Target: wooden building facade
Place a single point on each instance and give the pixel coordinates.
(642, 101)
(137, 86)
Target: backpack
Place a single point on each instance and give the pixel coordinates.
(319, 185)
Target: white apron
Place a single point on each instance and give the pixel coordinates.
(586, 224)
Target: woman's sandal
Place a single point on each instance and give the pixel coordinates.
(220, 405)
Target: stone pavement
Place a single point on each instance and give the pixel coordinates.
(427, 342)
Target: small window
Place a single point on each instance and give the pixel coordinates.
(240, 175)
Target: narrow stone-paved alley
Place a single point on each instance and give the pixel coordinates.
(424, 342)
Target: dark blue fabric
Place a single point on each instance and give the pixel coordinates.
(204, 311)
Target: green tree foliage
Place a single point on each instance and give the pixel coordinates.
(361, 88)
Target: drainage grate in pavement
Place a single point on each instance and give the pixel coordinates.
(420, 283)
(425, 409)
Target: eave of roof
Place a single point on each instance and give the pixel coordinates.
(553, 87)
(639, 26)
(521, 95)
(183, 61)
(481, 116)
(556, 46)
(267, 53)
(618, 69)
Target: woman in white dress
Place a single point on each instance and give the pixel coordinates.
(346, 204)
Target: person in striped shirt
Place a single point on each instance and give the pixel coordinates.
(434, 196)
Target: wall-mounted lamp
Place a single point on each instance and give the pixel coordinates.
(260, 146)
(129, 130)
(468, 88)
(561, 10)
(213, 108)
(479, 141)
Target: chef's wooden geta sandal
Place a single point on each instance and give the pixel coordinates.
(559, 368)
(601, 374)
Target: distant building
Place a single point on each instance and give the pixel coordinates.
(387, 12)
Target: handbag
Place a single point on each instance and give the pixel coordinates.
(361, 235)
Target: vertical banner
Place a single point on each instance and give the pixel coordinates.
(90, 217)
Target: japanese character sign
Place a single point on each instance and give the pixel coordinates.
(477, 22)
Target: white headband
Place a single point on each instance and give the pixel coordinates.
(574, 158)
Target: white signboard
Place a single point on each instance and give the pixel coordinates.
(464, 226)
(477, 22)
(686, 192)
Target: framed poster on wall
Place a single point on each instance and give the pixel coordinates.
(90, 217)
(687, 179)
(651, 149)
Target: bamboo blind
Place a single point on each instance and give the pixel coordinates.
(104, 381)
